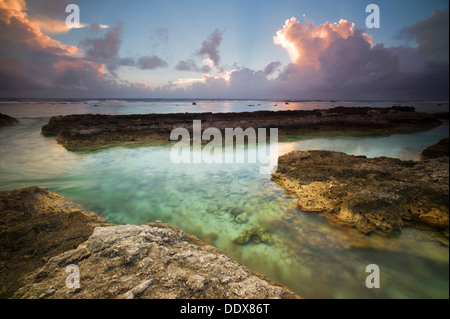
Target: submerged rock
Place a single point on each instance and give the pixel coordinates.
(42, 233)
(373, 195)
(6, 120)
(241, 218)
(256, 235)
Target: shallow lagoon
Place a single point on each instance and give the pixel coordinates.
(218, 202)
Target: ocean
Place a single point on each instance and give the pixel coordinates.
(218, 202)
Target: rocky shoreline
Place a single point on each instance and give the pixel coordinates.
(435, 151)
(371, 194)
(77, 132)
(41, 233)
(6, 120)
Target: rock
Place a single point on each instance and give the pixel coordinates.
(87, 131)
(6, 120)
(35, 225)
(256, 235)
(441, 115)
(438, 150)
(164, 266)
(403, 108)
(241, 218)
(435, 218)
(153, 260)
(373, 195)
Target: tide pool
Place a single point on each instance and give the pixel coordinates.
(220, 202)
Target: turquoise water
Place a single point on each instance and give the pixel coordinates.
(218, 202)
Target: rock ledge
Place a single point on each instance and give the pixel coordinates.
(371, 194)
(41, 233)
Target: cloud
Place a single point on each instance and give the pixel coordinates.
(328, 61)
(209, 53)
(50, 16)
(238, 83)
(272, 67)
(54, 9)
(186, 81)
(190, 65)
(353, 62)
(305, 43)
(97, 27)
(339, 61)
(432, 35)
(151, 63)
(50, 25)
(105, 50)
(32, 64)
(16, 27)
(161, 34)
(210, 47)
(410, 60)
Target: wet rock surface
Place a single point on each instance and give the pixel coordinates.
(6, 120)
(77, 132)
(435, 151)
(42, 233)
(373, 195)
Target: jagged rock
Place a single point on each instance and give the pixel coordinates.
(154, 261)
(41, 233)
(374, 195)
(6, 120)
(437, 150)
(77, 132)
(35, 225)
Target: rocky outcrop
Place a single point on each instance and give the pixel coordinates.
(35, 225)
(371, 194)
(155, 261)
(86, 131)
(435, 151)
(6, 120)
(42, 233)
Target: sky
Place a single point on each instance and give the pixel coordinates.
(285, 49)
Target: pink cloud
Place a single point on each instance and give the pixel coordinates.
(328, 61)
(17, 27)
(34, 64)
(305, 42)
(337, 60)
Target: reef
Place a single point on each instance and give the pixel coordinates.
(42, 233)
(371, 194)
(76, 132)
